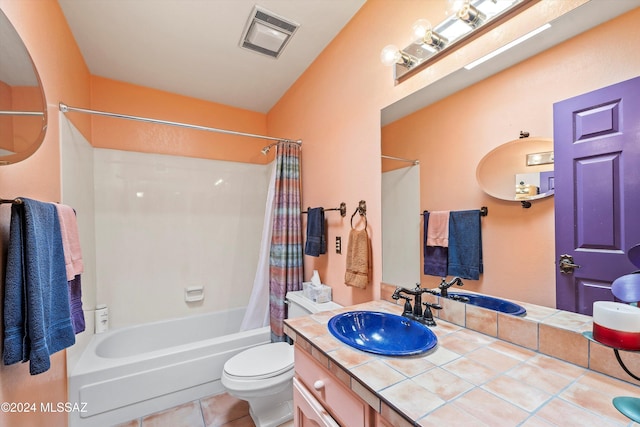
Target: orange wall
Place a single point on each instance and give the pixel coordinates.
(113, 96)
(64, 75)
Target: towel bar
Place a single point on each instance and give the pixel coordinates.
(484, 211)
(342, 209)
(12, 201)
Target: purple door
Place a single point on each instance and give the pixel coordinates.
(597, 192)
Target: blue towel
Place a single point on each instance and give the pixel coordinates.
(465, 244)
(75, 304)
(37, 319)
(316, 241)
(435, 257)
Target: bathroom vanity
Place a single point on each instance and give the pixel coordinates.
(487, 368)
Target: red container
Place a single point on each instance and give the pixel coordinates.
(616, 339)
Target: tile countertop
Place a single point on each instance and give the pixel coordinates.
(470, 378)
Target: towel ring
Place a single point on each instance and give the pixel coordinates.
(362, 210)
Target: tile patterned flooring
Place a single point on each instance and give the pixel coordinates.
(221, 410)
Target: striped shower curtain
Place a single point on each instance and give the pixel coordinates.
(285, 263)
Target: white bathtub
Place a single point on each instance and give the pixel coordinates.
(130, 372)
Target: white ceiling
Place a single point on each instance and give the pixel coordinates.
(191, 47)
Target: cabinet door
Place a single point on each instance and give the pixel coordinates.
(343, 404)
(307, 411)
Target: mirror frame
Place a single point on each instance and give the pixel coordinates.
(33, 146)
(513, 151)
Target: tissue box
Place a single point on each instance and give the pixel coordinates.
(316, 294)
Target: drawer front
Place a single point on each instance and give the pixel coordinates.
(347, 408)
(308, 412)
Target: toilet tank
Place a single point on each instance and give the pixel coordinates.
(299, 305)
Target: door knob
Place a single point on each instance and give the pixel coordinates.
(566, 264)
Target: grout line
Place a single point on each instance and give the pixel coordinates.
(204, 422)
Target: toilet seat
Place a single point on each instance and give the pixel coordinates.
(261, 362)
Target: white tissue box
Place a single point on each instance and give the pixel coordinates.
(316, 294)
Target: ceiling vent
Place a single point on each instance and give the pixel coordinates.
(267, 33)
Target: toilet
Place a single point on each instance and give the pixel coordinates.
(263, 375)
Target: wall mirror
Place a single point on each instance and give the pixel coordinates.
(539, 227)
(23, 114)
(519, 170)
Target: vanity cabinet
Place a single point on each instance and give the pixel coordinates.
(321, 399)
(308, 412)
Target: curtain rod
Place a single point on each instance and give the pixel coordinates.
(21, 113)
(415, 162)
(65, 108)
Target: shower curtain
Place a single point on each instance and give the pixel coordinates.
(285, 263)
(257, 314)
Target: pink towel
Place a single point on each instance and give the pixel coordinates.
(70, 241)
(438, 229)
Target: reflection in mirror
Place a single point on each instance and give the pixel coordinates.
(401, 223)
(23, 117)
(520, 170)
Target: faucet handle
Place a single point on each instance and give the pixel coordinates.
(407, 309)
(433, 305)
(428, 315)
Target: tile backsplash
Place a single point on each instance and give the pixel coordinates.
(545, 330)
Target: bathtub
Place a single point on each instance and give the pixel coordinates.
(133, 371)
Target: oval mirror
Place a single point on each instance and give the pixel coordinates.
(23, 113)
(519, 170)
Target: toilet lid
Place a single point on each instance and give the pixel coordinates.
(263, 361)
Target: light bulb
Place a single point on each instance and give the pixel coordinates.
(454, 6)
(420, 30)
(390, 55)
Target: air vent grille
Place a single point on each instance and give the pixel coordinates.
(267, 33)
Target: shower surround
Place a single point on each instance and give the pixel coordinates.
(166, 223)
(161, 224)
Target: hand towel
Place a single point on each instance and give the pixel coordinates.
(438, 230)
(316, 241)
(37, 319)
(70, 240)
(435, 257)
(358, 264)
(465, 244)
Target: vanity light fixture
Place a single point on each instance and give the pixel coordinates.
(471, 19)
(267, 33)
(423, 34)
(470, 15)
(391, 54)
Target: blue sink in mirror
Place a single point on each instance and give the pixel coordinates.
(491, 303)
(380, 333)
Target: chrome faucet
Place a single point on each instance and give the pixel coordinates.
(444, 286)
(416, 313)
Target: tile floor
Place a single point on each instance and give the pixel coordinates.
(221, 410)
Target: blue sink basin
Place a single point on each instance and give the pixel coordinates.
(382, 333)
(492, 303)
